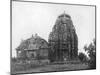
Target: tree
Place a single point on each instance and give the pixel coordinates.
(82, 57)
(92, 54)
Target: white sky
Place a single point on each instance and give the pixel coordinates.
(30, 18)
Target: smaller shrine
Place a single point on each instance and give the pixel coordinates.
(34, 47)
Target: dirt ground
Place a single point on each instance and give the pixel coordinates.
(52, 67)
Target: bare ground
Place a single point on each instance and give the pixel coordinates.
(52, 67)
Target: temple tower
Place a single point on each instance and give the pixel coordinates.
(63, 40)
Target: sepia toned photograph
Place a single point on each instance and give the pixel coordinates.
(52, 37)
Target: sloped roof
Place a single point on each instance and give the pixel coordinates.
(33, 43)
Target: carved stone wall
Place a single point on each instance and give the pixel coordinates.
(63, 40)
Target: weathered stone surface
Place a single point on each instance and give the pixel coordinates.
(32, 48)
(63, 40)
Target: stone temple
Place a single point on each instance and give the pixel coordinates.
(34, 47)
(63, 40)
(62, 43)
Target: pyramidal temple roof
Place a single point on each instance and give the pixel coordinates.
(33, 43)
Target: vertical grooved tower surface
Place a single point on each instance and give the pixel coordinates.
(63, 40)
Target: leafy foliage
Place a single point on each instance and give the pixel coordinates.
(92, 53)
(82, 57)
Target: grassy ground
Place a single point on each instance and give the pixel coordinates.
(33, 68)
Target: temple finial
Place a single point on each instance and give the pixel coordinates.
(64, 13)
(36, 34)
(32, 35)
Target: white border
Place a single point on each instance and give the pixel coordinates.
(5, 37)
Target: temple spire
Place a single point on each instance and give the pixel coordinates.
(64, 13)
(32, 35)
(36, 34)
